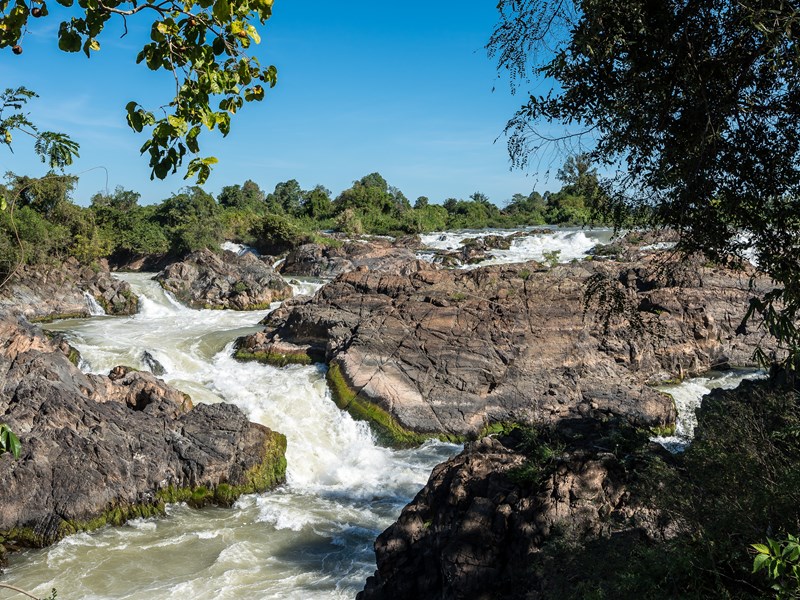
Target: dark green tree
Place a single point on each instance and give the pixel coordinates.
(191, 220)
(247, 196)
(317, 202)
(695, 102)
(287, 198)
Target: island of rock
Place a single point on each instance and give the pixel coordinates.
(423, 351)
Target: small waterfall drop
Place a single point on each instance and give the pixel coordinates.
(93, 306)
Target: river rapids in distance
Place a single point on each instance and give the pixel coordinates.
(310, 538)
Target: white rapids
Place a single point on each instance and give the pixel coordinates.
(687, 396)
(567, 244)
(311, 538)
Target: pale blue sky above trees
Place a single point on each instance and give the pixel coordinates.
(403, 89)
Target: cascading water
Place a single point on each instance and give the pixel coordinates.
(93, 306)
(312, 538)
(687, 396)
(568, 244)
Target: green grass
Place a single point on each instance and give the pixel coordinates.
(277, 359)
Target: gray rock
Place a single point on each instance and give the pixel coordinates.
(451, 352)
(99, 449)
(208, 280)
(44, 292)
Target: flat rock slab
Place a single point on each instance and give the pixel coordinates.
(451, 352)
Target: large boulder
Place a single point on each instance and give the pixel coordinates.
(101, 449)
(594, 510)
(45, 292)
(208, 280)
(331, 260)
(449, 353)
(478, 529)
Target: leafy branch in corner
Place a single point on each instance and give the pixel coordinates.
(203, 44)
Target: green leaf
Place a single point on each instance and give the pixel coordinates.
(760, 562)
(222, 11)
(68, 40)
(760, 548)
(251, 31)
(13, 444)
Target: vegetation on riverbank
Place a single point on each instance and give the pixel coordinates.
(45, 224)
(738, 482)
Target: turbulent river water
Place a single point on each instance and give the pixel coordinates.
(311, 538)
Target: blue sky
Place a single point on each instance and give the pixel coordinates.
(362, 87)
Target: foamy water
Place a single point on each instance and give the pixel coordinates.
(311, 538)
(568, 244)
(688, 395)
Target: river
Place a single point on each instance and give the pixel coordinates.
(310, 538)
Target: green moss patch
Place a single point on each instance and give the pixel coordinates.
(266, 475)
(277, 359)
(389, 431)
(56, 317)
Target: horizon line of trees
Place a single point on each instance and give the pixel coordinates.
(50, 225)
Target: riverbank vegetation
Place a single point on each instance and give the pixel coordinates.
(47, 225)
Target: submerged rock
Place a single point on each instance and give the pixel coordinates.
(208, 280)
(448, 353)
(101, 449)
(44, 293)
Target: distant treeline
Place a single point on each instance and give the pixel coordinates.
(50, 226)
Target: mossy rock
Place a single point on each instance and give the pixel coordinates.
(276, 359)
(386, 427)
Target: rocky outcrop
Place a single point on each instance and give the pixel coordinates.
(101, 449)
(208, 280)
(594, 510)
(329, 261)
(479, 528)
(45, 292)
(449, 353)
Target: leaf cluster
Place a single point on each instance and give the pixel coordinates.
(203, 44)
(8, 441)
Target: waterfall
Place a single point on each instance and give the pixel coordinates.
(93, 306)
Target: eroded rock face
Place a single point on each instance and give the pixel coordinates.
(208, 280)
(476, 529)
(451, 351)
(377, 255)
(41, 292)
(98, 449)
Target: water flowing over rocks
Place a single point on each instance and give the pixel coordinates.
(448, 353)
(208, 280)
(42, 293)
(102, 449)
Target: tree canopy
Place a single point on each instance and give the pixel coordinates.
(696, 104)
(203, 44)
